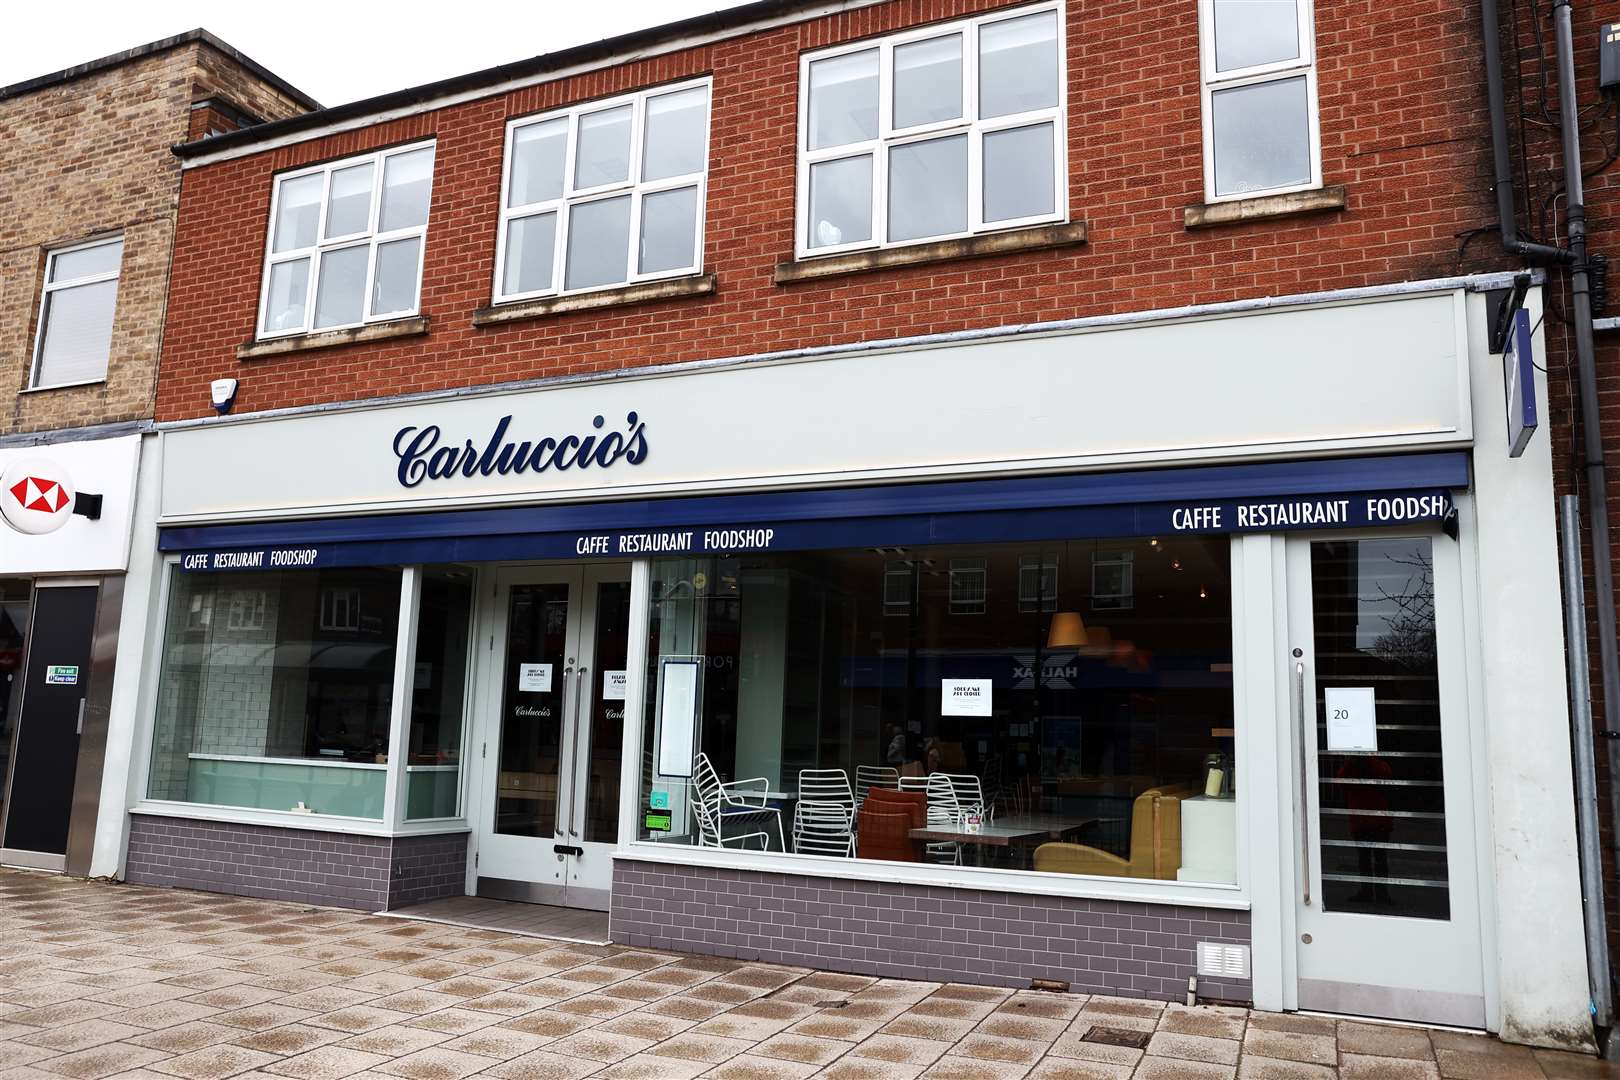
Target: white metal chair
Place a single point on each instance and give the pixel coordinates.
(969, 795)
(716, 803)
(824, 817)
(868, 777)
(942, 810)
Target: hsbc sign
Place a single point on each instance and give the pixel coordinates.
(37, 497)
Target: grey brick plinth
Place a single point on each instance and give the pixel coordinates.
(934, 933)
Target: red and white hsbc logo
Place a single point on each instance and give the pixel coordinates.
(36, 496)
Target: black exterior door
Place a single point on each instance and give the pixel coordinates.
(55, 685)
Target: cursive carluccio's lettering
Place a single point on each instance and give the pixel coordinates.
(425, 454)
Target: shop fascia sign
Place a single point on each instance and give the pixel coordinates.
(37, 496)
(426, 455)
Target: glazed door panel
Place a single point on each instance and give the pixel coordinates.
(1387, 906)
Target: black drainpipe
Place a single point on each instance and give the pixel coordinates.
(1506, 216)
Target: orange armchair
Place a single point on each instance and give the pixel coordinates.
(885, 823)
(1155, 842)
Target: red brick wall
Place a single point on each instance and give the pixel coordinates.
(1403, 126)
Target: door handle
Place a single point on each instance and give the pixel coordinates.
(79, 729)
(1304, 791)
(573, 756)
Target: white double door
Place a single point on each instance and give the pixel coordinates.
(1387, 914)
(552, 735)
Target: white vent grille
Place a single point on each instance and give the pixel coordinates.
(1223, 961)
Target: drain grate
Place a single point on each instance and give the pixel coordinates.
(1137, 1040)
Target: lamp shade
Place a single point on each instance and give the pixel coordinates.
(1068, 631)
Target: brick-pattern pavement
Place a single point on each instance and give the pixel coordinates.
(125, 981)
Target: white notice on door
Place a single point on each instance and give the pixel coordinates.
(612, 686)
(964, 697)
(1352, 718)
(534, 678)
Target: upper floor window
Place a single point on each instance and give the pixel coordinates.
(604, 194)
(76, 314)
(1261, 131)
(937, 133)
(346, 242)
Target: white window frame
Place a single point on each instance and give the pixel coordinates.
(50, 287)
(325, 245)
(632, 185)
(888, 137)
(1215, 81)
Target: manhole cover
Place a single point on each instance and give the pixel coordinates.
(1117, 1037)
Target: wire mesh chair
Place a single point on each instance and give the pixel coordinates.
(824, 817)
(942, 810)
(969, 795)
(868, 777)
(716, 804)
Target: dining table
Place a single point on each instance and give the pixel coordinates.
(1007, 831)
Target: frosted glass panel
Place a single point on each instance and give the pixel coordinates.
(603, 154)
(841, 202)
(928, 188)
(538, 153)
(407, 183)
(340, 296)
(928, 81)
(530, 253)
(1018, 173)
(668, 230)
(1253, 32)
(598, 243)
(1262, 136)
(78, 334)
(348, 206)
(395, 286)
(1018, 65)
(844, 99)
(298, 208)
(677, 126)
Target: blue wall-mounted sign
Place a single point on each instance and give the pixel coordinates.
(1519, 375)
(1272, 497)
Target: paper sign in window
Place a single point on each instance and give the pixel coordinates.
(677, 716)
(1352, 718)
(613, 684)
(964, 697)
(534, 678)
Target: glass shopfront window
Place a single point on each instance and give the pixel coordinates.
(276, 690)
(1058, 707)
(439, 693)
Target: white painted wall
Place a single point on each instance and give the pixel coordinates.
(1524, 719)
(127, 730)
(1348, 377)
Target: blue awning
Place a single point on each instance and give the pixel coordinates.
(1266, 497)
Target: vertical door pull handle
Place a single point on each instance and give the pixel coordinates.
(79, 730)
(573, 757)
(1304, 790)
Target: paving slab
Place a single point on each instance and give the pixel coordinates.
(102, 981)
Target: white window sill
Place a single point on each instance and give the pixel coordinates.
(639, 292)
(412, 326)
(1129, 890)
(64, 386)
(277, 819)
(1235, 211)
(1029, 238)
